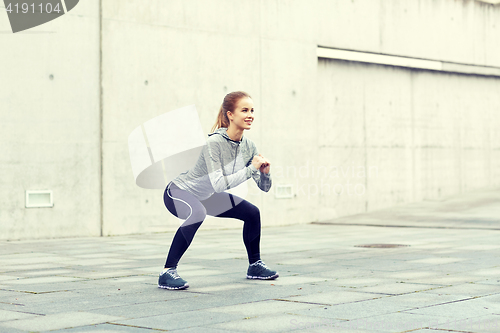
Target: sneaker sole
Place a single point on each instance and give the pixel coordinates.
(272, 277)
(174, 288)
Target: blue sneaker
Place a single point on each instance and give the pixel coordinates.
(169, 279)
(259, 270)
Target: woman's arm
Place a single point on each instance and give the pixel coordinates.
(213, 158)
(262, 179)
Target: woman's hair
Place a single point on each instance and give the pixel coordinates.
(229, 104)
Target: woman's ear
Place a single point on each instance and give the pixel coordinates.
(229, 115)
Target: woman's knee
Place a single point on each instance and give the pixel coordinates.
(195, 219)
(254, 212)
(199, 214)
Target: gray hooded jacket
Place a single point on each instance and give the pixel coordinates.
(223, 164)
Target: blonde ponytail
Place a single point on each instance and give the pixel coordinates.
(222, 120)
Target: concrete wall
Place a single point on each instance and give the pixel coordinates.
(401, 135)
(429, 134)
(50, 128)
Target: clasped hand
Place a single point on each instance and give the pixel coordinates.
(261, 163)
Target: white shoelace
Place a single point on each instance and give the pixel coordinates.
(260, 263)
(172, 273)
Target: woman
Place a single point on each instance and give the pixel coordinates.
(226, 161)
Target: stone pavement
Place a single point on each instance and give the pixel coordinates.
(446, 278)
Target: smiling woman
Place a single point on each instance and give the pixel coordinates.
(241, 119)
(233, 103)
(227, 160)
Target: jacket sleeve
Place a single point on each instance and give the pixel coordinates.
(262, 180)
(220, 182)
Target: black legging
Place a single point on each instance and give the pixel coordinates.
(186, 206)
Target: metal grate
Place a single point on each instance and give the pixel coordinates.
(283, 191)
(38, 199)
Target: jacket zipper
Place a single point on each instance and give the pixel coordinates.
(236, 156)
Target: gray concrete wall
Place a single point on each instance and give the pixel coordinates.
(50, 128)
(410, 135)
(429, 134)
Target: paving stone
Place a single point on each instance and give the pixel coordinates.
(467, 289)
(493, 272)
(104, 328)
(447, 279)
(479, 247)
(14, 256)
(51, 287)
(301, 261)
(12, 315)
(216, 256)
(179, 320)
(198, 283)
(483, 324)
(205, 329)
(204, 272)
(253, 309)
(81, 304)
(26, 261)
(174, 301)
(87, 299)
(334, 297)
(337, 329)
(493, 281)
(400, 288)
(288, 280)
(50, 272)
(359, 282)
(58, 321)
(100, 261)
(5, 294)
(16, 268)
(149, 269)
(39, 280)
(103, 273)
(355, 310)
(8, 277)
(412, 274)
(395, 322)
(381, 264)
(100, 254)
(461, 267)
(145, 308)
(419, 300)
(463, 309)
(329, 274)
(271, 323)
(221, 288)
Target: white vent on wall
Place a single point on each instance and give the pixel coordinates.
(283, 191)
(36, 199)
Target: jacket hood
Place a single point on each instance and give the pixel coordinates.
(223, 131)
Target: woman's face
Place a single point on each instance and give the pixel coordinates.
(242, 116)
